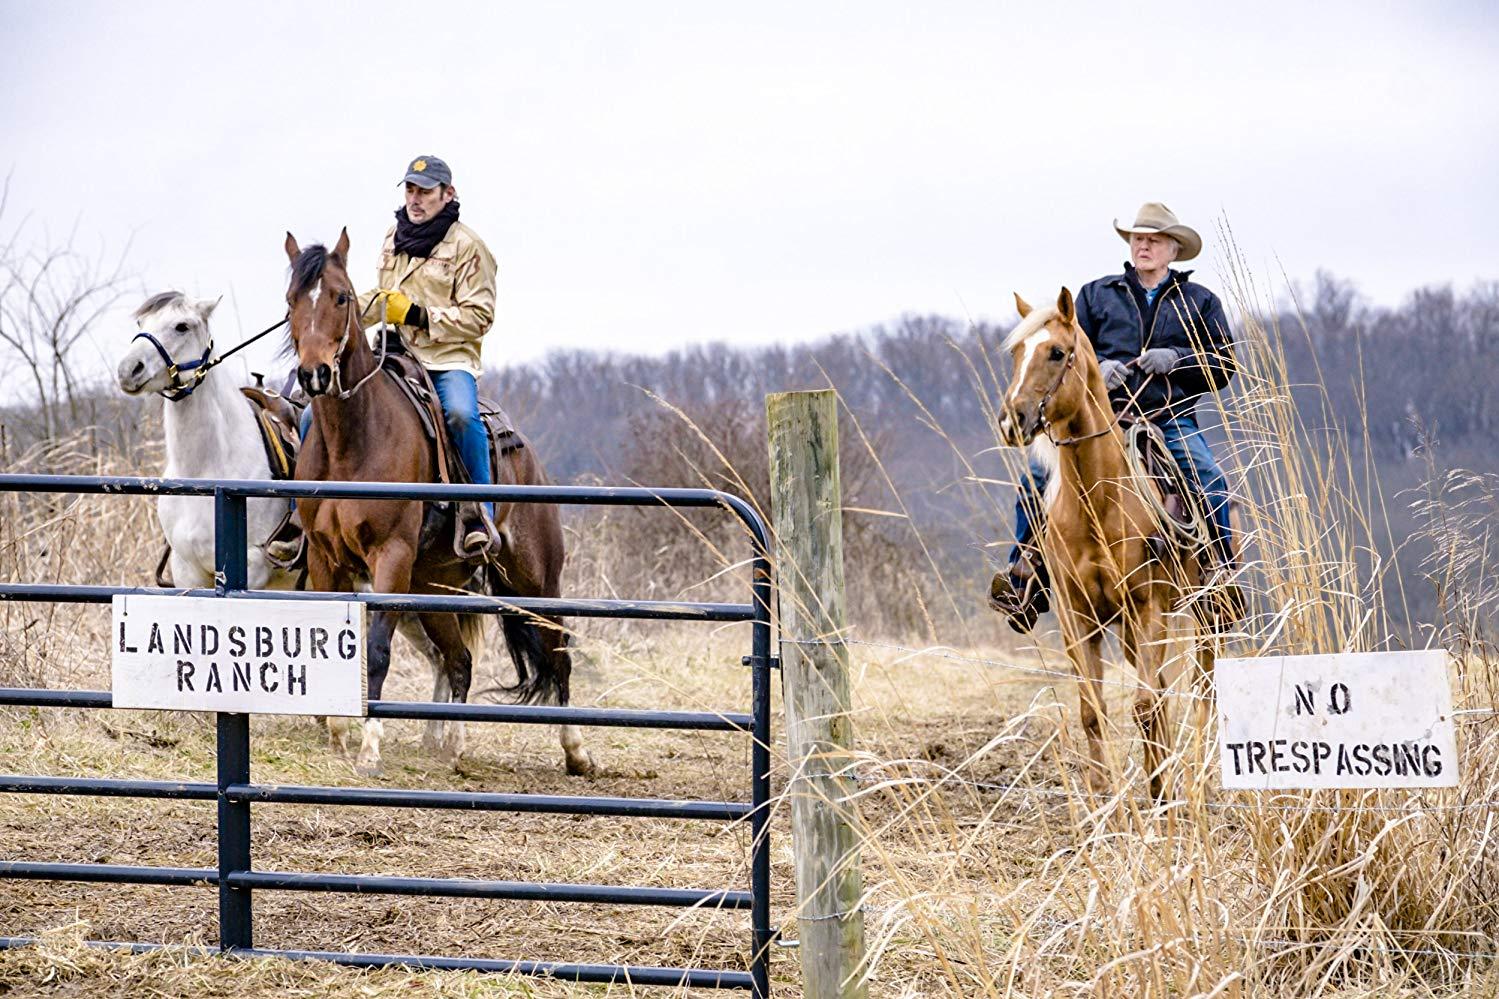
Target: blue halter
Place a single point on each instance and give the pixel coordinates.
(179, 388)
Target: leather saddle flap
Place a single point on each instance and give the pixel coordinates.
(277, 417)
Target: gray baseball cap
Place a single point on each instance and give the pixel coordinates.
(428, 172)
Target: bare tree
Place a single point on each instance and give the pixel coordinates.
(51, 294)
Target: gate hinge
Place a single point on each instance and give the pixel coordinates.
(773, 662)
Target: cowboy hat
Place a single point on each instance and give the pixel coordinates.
(1156, 217)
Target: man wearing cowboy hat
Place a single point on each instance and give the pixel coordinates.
(1161, 343)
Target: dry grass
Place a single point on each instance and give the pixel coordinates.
(990, 870)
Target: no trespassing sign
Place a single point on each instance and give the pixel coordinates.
(1351, 720)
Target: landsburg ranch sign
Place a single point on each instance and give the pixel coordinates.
(239, 655)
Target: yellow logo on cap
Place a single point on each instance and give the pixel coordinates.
(419, 166)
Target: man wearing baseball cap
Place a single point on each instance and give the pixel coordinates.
(1162, 342)
(439, 283)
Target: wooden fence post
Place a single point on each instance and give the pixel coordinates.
(808, 514)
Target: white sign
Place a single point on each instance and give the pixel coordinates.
(1369, 719)
(279, 657)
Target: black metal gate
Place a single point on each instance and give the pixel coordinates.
(234, 791)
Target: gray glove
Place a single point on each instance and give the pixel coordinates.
(1157, 361)
(1114, 373)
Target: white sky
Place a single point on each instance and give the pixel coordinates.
(649, 174)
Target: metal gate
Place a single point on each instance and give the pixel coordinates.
(236, 877)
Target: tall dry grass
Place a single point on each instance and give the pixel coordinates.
(990, 869)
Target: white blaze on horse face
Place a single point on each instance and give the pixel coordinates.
(315, 293)
(1029, 346)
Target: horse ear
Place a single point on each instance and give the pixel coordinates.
(293, 251)
(1022, 305)
(1064, 306)
(341, 248)
(204, 307)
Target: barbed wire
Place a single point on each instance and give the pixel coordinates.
(1120, 797)
(950, 654)
(944, 652)
(1053, 924)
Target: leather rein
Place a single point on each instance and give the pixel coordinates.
(1119, 416)
(196, 370)
(339, 392)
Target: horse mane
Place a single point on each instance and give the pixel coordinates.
(308, 268)
(1044, 453)
(157, 302)
(1030, 324)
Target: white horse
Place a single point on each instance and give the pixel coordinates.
(211, 433)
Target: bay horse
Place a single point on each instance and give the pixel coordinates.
(211, 433)
(1096, 535)
(364, 429)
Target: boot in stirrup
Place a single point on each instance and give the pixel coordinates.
(477, 536)
(1019, 592)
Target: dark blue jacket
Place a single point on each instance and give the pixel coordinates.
(1186, 317)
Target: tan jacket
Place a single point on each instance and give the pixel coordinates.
(456, 287)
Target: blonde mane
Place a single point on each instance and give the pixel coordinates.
(1037, 319)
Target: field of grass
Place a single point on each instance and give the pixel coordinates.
(990, 870)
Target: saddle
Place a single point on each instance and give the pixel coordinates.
(416, 384)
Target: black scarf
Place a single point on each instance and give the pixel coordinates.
(416, 239)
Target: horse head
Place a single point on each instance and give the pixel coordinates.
(1054, 365)
(323, 306)
(172, 341)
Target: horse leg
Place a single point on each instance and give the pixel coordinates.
(382, 630)
(1086, 654)
(1143, 635)
(446, 635)
(442, 691)
(554, 641)
(322, 577)
(391, 573)
(1202, 677)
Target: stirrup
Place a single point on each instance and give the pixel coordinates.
(471, 541)
(283, 552)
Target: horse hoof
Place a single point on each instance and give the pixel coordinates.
(367, 768)
(581, 765)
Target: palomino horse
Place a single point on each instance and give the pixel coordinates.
(1097, 532)
(365, 430)
(211, 433)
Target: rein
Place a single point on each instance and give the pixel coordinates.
(338, 354)
(1118, 420)
(181, 388)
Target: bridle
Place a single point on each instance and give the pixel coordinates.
(1119, 419)
(337, 390)
(180, 388)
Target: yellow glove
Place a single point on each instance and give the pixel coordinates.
(401, 310)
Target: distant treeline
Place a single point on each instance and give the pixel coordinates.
(1413, 391)
(917, 432)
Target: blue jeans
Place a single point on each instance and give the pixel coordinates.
(1185, 442)
(459, 394)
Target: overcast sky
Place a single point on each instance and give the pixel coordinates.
(649, 174)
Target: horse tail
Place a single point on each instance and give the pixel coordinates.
(537, 680)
